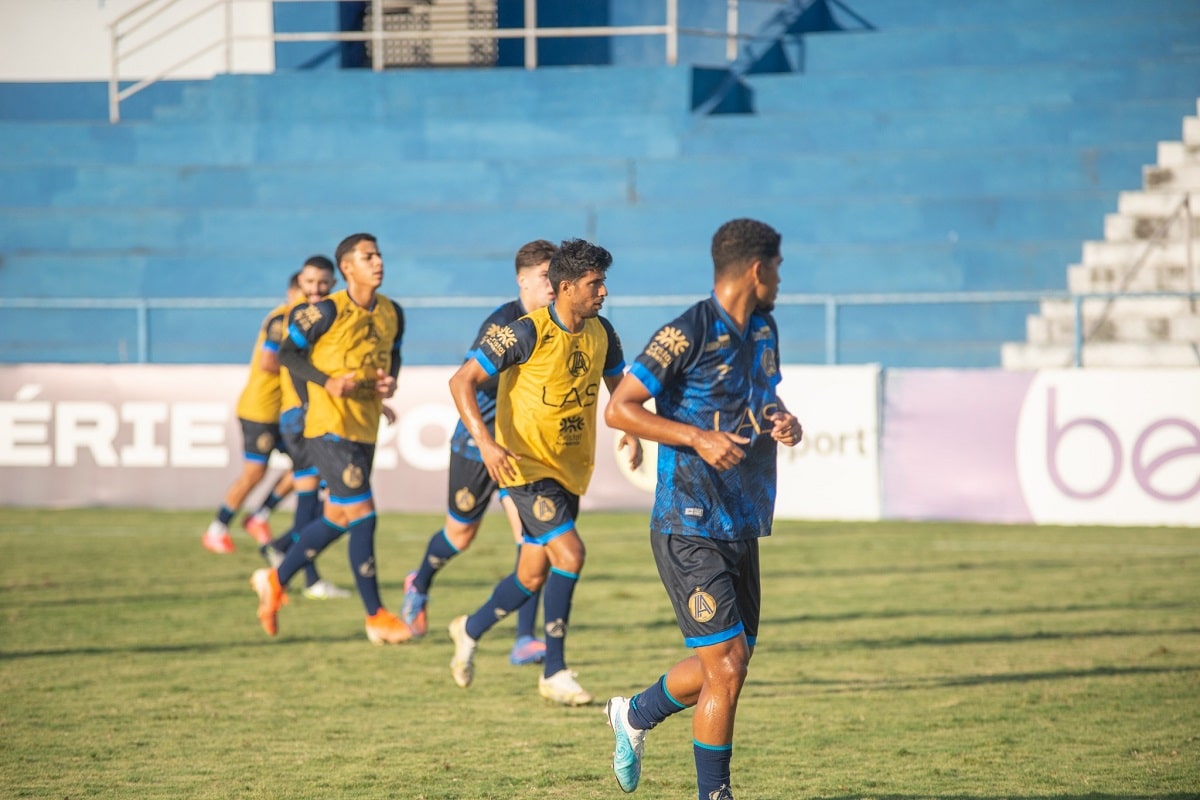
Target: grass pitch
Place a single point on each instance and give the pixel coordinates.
(895, 660)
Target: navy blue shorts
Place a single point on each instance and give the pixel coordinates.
(714, 586)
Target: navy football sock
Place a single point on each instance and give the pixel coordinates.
(712, 768)
(508, 595)
(225, 514)
(316, 536)
(527, 613)
(652, 706)
(362, 562)
(438, 552)
(560, 588)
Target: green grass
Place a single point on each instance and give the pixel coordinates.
(895, 661)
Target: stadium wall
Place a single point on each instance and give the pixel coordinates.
(1107, 447)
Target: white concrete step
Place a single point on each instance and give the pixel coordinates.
(1171, 154)
(1126, 227)
(1021, 355)
(1125, 254)
(1086, 278)
(1183, 177)
(1116, 328)
(1140, 307)
(1191, 131)
(1153, 204)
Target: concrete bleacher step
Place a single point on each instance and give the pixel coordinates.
(1125, 227)
(1025, 356)
(1093, 39)
(845, 130)
(484, 183)
(1151, 277)
(1183, 177)
(1116, 327)
(984, 87)
(418, 96)
(922, 14)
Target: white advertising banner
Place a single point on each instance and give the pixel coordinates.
(834, 472)
(165, 436)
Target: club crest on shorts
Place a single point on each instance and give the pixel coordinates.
(702, 605)
(464, 499)
(352, 476)
(544, 508)
(265, 442)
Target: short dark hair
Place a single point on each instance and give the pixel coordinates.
(320, 262)
(740, 242)
(576, 258)
(349, 243)
(533, 253)
(294, 281)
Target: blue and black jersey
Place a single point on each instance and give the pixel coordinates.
(703, 371)
(461, 442)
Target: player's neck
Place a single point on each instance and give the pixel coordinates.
(363, 296)
(737, 302)
(567, 318)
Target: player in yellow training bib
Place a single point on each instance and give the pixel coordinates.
(551, 363)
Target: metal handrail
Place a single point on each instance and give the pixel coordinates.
(832, 303)
(137, 17)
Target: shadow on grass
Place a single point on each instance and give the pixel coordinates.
(991, 638)
(840, 685)
(1089, 796)
(191, 648)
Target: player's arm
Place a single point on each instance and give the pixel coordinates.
(268, 355)
(464, 385)
(385, 382)
(305, 326)
(614, 368)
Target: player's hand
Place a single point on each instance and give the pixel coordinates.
(720, 449)
(341, 385)
(498, 460)
(635, 449)
(385, 385)
(389, 414)
(786, 428)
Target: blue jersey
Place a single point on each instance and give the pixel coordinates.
(704, 372)
(461, 441)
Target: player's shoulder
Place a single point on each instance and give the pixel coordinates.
(505, 313)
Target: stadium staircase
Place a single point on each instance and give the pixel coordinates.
(1152, 244)
(947, 147)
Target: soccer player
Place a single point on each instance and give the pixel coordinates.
(316, 280)
(713, 373)
(551, 363)
(471, 487)
(258, 414)
(347, 348)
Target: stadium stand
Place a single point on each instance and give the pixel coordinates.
(924, 147)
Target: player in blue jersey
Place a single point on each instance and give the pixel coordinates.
(471, 488)
(713, 373)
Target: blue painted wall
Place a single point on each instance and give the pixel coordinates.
(957, 147)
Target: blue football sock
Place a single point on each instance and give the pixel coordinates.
(508, 596)
(712, 768)
(362, 562)
(438, 552)
(560, 588)
(652, 706)
(271, 501)
(527, 613)
(225, 514)
(316, 536)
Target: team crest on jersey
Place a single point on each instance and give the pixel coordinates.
(668, 344)
(306, 316)
(265, 442)
(702, 605)
(570, 430)
(769, 364)
(500, 340)
(352, 476)
(275, 330)
(544, 508)
(464, 499)
(578, 363)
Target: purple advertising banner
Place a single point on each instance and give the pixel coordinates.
(1072, 447)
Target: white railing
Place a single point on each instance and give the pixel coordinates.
(831, 303)
(130, 35)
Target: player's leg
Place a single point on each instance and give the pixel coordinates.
(258, 440)
(528, 648)
(257, 524)
(470, 490)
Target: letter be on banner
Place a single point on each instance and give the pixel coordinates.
(1111, 447)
